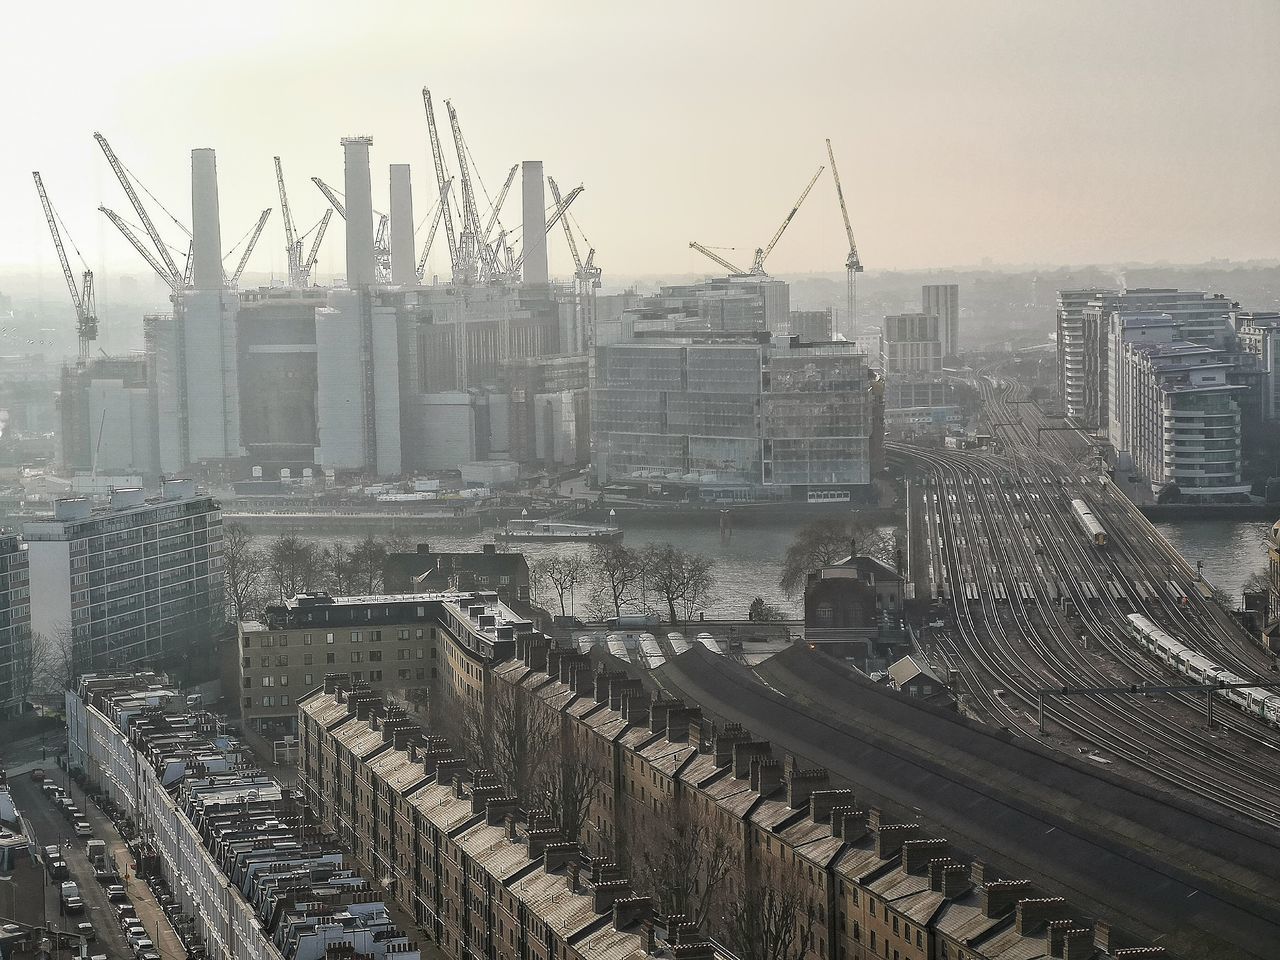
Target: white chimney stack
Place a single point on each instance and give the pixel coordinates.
(360, 262)
(535, 223)
(404, 269)
(206, 227)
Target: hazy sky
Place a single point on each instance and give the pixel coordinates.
(1071, 131)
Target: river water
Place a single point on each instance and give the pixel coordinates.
(1232, 550)
(749, 561)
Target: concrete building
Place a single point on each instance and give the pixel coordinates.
(394, 643)
(137, 582)
(15, 625)
(232, 845)
(942, 300)
(105, 418)
(1259, 335)
(735, 417)
(853, 609)
(1179, 412)
(736, 303)
(918, 394)
(811, 326)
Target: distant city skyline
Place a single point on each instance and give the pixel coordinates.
(997, 131)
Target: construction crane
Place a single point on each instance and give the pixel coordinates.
(585, 274)
(497, 205)
(292, 245)
(469, 236)
(175, 283)
(560, 209)
(310, 263)
(437, 157)
(255, 233)
(757, 262)
(174, 274)
(431, 233)
(81, 297)
(852, 265)
(331, 195)
(707, 252)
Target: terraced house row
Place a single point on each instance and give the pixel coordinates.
(461, 853)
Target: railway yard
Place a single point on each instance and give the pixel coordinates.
(1047, 578)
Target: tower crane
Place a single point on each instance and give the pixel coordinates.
(757, 262)
(255, 233)
(442, 180)
(762, 253)
(171, 268)
(293, 246)
(552, 220)
(310, 263)
(381, 236)
(497, 204)
(852, 265)
(469, 235)
(175, 283)
(431, 233)
(81, 297)
(331, 195)
(586, 274)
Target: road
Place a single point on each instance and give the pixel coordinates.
(1030, 602)
(49, 826)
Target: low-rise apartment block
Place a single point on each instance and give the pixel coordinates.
(260, 882)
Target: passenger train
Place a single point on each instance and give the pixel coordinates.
(1258, 701)
(1089, 522)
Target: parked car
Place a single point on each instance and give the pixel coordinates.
(83, 829)
(86, 930)
(142, 945)
(58, 870)
(116, 894)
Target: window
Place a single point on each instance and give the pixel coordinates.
(247, 662)
(265, 662)
(328, 658)
(307, 679)
(421, 674)
(282, 661)
(284, 701)
(248, 702)
(328, 638)
(268, 701)
(268, 681)
(356, 656)
(375, 675)
(402, 634)
(248, 641)
(357, 675)
(403, 654)
(284, 679)
(375, 636)
(306, 659)
(306, 639)
(375, 656)
(248, 682)
(284, 639)
(405, 674)
(355, 636)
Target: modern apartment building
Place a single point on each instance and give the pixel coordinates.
(1078, 358)
(393, 643)
(1179, 413)
(942, 300)
(735, 417)
(1259, 335)
(139, 581)
(15, 625)
(234, 847)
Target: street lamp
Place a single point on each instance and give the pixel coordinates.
(613, 514)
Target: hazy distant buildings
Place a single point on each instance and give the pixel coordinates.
(918, 395)
(1078, 356)
(16, 661)
(811, 326)
(138, 581)
(942, 300)
(736, 417)
(106, 418)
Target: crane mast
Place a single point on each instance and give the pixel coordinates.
(431, 233)
(248, 249)
(81, 298)
(852, 265)
(315, 248)
(469, 235)
(757, 263)
(118, 169)
(552, 220)
(175, 283)
(331, 195)
(442, 180)
(497, 205)
(293, 246)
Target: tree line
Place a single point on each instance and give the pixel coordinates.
(621, 580)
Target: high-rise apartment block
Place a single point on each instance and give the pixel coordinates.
(942, 300)
(15, 625)
(736, 417)
(138, 581)
(918, 395)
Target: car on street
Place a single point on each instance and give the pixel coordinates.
(116, 894)
(86, 930)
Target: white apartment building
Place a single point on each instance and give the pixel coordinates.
(1181, 421)
(137, 581)
(942, 300)
(1259, 334)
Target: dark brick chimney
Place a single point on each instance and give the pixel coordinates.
(999, 896)
(744, 752)
(822, 802)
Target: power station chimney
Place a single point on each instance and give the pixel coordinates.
(360, 263)
(206, 228)
(534, 223)
(404, 271)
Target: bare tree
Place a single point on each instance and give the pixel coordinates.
(28, 664)
(771, 920)
(53, 662)
(560, 573)
(522, 735)
(684, 866)
(827, 541)
(681, 578)
(569, 785)
(341, 568)
(294, 565)
(368, 558)
(244, 571)
(617, 577)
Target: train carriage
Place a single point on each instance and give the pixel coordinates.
(1089, 523)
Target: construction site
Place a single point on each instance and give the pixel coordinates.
(388, 373)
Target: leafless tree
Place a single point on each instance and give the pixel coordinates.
(28, 654)
(682, 579)
(824, 542)
(684, 866)
(368, 558)
(569, 785)
(244, 571)
(771, 920)
(617, 577)
(522, 734)
(294, 565)
(53, 663)
(560, 573)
